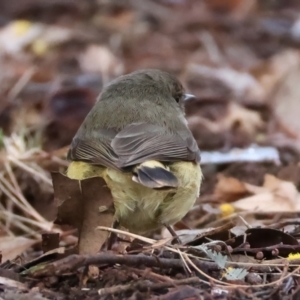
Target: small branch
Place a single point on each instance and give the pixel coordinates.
(145, 285)
(269, 248)
(73, 262)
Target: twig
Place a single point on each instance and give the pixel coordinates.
(268, 248)
(151, 275)
(20, 84)
(73, 262)
(285, 223)
(234, 286)
(144, 286)
(245, 222)
(210, 232)
(42, 225)
(30, 170)
(20, 200)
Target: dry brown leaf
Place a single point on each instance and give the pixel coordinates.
(275, 196)
(95, 193)
(11, 247)
(229, 189)
(78, 205)
(261, 202)
(236, 116)
(68, 200)
(253, 189)
(269, 73)
(237, 8)
(286, 101)
(225, 81)
(247, 120)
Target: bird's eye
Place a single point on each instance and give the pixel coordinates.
(178, 97)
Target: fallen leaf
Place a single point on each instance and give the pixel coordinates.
(95, 194)
(230, 80)
(11, 247)
(229, 189)
(274, 196)
(78, 205)
(249, 121)
(286, 102)
(269, 74)
(100, 59)
(68, 200)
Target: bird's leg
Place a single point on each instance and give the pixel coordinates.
(173, 233)
(113, 236)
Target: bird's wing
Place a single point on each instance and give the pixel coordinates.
(96, 150)
(139, 142)
(136, 143)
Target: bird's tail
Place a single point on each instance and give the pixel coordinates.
(154, 174)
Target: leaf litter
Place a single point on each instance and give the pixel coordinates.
(240, 59)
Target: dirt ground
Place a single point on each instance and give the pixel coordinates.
(241, 60)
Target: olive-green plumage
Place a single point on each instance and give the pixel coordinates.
(137, 139)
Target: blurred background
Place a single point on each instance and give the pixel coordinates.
(240, 58)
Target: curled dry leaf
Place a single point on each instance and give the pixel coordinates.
(274, 196)
(249, 121)
(78, 205)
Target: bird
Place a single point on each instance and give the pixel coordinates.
(136, 138)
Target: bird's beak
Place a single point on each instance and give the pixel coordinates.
(188, 97)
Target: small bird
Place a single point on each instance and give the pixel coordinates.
(137, 139)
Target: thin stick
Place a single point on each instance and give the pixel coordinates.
(30, 170)
(41, 225)
(21, 201)
(144, 285)
(21, 83)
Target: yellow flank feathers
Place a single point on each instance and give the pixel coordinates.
(81, 170)
(140, 208)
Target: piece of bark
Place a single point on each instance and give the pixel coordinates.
(85, 205)
(50, 241)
